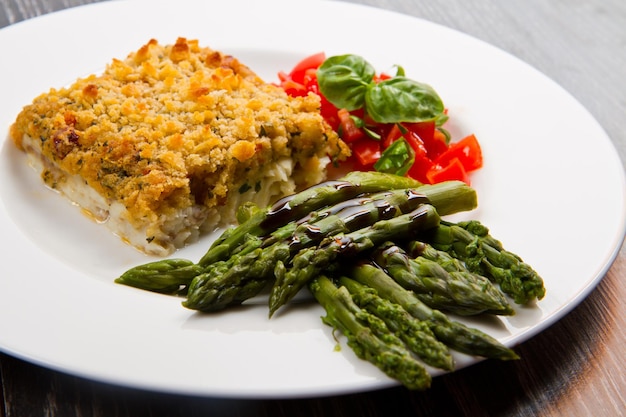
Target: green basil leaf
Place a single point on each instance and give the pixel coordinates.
(441, 119)
(343, 80)
(446, 134)
(397, 159)
(371, 133)
(358, 122)
(400, 71)
(401, 99)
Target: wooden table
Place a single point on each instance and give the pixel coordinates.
(574, 368)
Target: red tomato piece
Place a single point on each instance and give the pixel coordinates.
(434, 141)
(391, 135)
(417, 144)
(348, 130)
(310, 76)
(421, 166)
(437, 145)
(312, 61)
(283, 76)
(467, 151)
(366, 151)
(293, 88)
(454, 170)
(327, 109)
(422, 163)
(381, 77)
(424, 130)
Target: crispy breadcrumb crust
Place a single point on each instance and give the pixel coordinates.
(172, 126)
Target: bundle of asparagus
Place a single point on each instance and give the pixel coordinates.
(375, 253)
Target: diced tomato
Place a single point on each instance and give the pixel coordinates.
(381, 77)
(434, 160)
(310, 62)
(360, 113)
(310, 76)
(420, 168)
(416, 143)
(327, 109)
(467, 151)
(454, 170)
(366, 151)
(329, 112)
(293, 88)
(425, 130)
(434, 141)
(283, 76)
(436, 144)
(394, 133)
(311, 84)
(348, 130)
(423, 163)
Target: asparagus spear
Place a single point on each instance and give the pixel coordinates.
(456, 291)
(234, 281)
(417, 248)
(471, 242)
(416, 334)
(296, 206)
(257, 265)
(312, 261)
(355, 214)
(454, 334)
(170, 276)
(368, 336)
(450, 197)
(165, 276)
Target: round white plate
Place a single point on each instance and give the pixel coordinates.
(552, 189)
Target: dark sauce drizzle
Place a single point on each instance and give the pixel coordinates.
(282, 211)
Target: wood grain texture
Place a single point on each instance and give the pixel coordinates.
(574, 368)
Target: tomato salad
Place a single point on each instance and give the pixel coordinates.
(391, 123)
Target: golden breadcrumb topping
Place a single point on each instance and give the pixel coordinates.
(172, 126)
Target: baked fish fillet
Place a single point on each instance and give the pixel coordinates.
(165, 144)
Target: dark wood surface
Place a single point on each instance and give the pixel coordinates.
(574, 368)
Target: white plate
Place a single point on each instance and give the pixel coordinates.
(552, 189)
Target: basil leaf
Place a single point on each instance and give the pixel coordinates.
(400, 71)
(446, 134)
(401, 99)
(397, 159)
(358, 122)
(343, 80)
(441, 119)
(371, 133)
